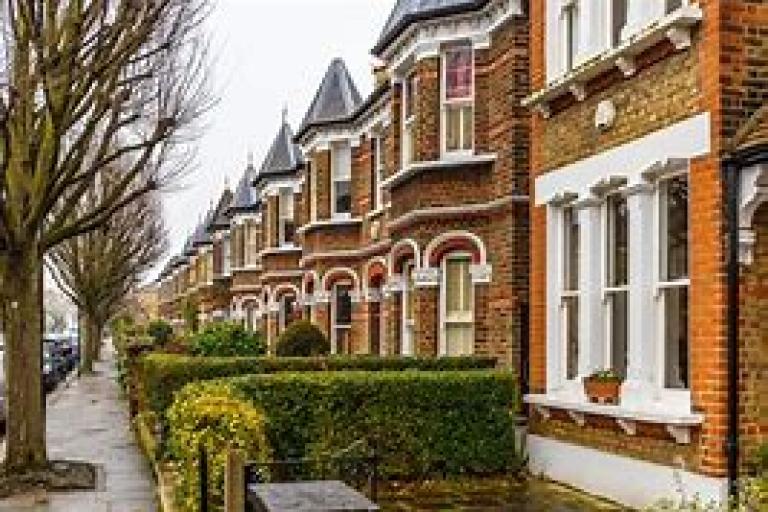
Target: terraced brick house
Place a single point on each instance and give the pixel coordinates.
(647, 126)
(278, 188)
(416, 234)
(246, 238)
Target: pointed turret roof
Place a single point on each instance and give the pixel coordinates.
(284, 156)
(407, 12)
(220, 218)
(336, 99)
(201, 236)
(244, 199)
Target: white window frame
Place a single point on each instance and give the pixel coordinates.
(285, 195)
(407, 345)
(460, 103)
(610, 289)
(340, 178)
(681, 396)
(611, 14)
(569, 34)
(444, 321)
(335, 327)
(407, 140)
(226, 255)
(566, 293)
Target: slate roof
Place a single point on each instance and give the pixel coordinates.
(220, 218)
(408, 12)
(284, 156)
(754, 133)
(244, 198)
(336, 99)
(201, 236)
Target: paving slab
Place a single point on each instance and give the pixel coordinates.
(88, 421)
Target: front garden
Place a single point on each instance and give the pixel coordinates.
(442, 429)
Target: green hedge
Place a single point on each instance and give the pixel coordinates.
(218, 420)
(161, 375)
(422, 423)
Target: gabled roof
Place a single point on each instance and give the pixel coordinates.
(336, 99)
(408, 12)
(753, 133)
(284, 156)
(188, 248)
(220, 218)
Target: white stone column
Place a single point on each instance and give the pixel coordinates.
(641, 366)
(555, 340)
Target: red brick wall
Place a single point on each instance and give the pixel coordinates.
(754, 343)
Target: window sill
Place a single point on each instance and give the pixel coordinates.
(678, 425)
(447, 162)
(375, 213)
(286, 249)
(328, 223)
(675, 27)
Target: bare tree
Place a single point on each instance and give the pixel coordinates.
(99, 268)
(85, 86)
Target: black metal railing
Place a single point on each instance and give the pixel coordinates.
(202, 468)
(358, 471)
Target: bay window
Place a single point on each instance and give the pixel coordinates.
(312, 191)
(570, 291)
(616, 292)
(409, 118)
(674, 280)
(341, 182)
(226, 260)
(252, 245)
(458, 100)
(286, 224)
(341, 315)
(457, 303)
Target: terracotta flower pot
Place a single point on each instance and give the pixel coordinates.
(602, 391)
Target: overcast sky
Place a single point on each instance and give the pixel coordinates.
(268, 54)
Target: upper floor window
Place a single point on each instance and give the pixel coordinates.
(618, 17)
(458, 99)
(377, 171)
(226, 260)
(286, 223)
(312, 191)
(570, 36)
(409, 117)
(672, 5)
(673, 279)
(252, 245)
(341, 180)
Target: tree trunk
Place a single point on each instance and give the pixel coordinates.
(87, 351)
(98, 332)
(25, 401)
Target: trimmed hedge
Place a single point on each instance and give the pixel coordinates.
(226, 339)
(161, 375)
(219, 420)
(422, 423)
(303, 339)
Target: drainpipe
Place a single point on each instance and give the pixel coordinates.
(731, 170)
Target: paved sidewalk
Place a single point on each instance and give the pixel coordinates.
(88, 421)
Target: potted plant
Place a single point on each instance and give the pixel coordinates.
(602, 387)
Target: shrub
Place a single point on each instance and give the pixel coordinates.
(226, 339)
(214, 417)
(421, 422)
(161, 375)
(302, 339)
(161, 331)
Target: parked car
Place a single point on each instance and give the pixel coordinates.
(54, 365)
